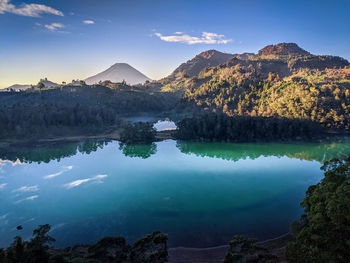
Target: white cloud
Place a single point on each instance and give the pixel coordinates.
(25, 189)
(27, 198)
(206, 38)
(65, 169)
(89, 22)
(2, 186)
(76, 183)
(33, 10)
(54, 26)
(178, 33)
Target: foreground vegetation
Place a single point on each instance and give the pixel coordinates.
(151, 249)
(323, 233)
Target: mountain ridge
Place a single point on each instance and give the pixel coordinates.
(283, 49)
(280, 58)
(209, 58)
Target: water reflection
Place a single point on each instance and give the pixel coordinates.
(319, 152)
(141, 151)
(45, 153)
(200, 194)
(48, 152)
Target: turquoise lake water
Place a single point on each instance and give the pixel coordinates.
(200, 194)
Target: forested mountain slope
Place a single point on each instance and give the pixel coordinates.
(283, 81)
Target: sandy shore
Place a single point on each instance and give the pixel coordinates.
(217, 254)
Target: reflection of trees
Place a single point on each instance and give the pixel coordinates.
(237, 151)
(143, 151)
(46, 153)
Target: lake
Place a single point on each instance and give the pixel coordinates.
(201, 194)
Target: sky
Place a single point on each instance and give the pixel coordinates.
(64, 40)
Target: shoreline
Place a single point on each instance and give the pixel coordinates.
(217, 254)
(160, 136)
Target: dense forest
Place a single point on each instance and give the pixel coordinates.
(120, 97)
(281, 80)
(42, 120)
(321, 96)
(220, 127)
(138, 133)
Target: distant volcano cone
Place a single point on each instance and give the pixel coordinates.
(117, 73)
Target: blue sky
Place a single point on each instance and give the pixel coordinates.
(64, 40)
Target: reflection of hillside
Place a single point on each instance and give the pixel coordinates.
(142, 151)
(235, 152)
(47, 153)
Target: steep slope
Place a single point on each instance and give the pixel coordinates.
(117, 73)
(283, 49)
(210, 58)
(289, 85)
(298, 58)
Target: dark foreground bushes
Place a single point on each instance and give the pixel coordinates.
(151, 249)
(220, 127)
(323, 233)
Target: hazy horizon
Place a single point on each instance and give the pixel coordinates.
(64, 40)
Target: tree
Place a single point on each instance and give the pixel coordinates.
(323, 234)
(138, 133)
(16, 252)
(40, 85)
(33, 251)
